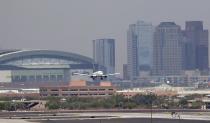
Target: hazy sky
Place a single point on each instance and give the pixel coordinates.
(71, 25)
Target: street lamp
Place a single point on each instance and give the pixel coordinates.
(179, 118)
(151, 100)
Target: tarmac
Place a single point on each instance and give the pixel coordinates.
(107, 117)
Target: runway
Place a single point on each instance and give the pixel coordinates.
(126, 120)
(107, 117)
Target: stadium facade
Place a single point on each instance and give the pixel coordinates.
(42, 66)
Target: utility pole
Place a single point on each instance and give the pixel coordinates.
(179, 118)
(151, 100)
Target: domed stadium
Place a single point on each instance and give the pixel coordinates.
(42, 66)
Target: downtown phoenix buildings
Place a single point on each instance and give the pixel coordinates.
(166, 50)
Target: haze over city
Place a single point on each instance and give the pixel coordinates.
(107, 61)
(71, 25)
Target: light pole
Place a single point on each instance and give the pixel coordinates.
(151, 106)
(179, 118)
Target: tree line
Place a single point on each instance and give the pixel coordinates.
(120, 102)
(142, 101)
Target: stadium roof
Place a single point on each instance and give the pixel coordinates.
(13, 55)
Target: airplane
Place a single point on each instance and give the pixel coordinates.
(97, 74)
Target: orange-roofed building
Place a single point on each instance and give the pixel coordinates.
(78, 83)
(105, 83)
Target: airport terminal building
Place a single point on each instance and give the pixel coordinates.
(36, 67)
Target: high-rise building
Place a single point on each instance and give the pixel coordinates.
(104, 53)
(139, 48)
(125, 72)
(132, 52)
(196, 46)
(167, 47)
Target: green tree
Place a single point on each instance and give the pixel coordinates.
(146, 100)
(183, 103)
(2, 106)
(52, 105)
(196, 105)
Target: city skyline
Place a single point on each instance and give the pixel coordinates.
(36, 24)
(104, 61)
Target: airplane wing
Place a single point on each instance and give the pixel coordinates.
(112, 74)
(81, 74)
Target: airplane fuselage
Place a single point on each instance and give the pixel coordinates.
(98, 74)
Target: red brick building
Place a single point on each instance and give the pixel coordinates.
(79, 89)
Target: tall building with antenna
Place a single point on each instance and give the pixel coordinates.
(104, 53)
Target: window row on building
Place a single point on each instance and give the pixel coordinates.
(82, 91)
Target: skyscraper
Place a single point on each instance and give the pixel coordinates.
(139, 48)
(125, 72)
(167, 47)
(196, 46)
(132, 53)
(104, 53)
